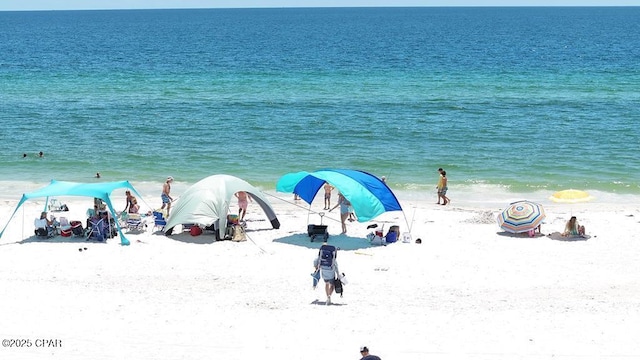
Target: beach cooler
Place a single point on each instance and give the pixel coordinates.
(76, 228)
(318, 230)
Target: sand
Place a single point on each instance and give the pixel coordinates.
(468, 291)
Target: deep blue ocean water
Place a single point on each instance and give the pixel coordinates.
(508, 99)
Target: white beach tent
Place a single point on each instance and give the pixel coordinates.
(207, 203)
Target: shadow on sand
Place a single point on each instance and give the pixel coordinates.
(558, 236)
(553, 236)
(343, 241)
(62, 240)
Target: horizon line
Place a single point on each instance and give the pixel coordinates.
(323, 7)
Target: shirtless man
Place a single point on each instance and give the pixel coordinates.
(440, 185)
(442, 188)
(327, 195)
(166, 197)
(243, 202)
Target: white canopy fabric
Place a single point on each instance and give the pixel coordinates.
(207, 202)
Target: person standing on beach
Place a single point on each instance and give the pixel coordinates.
(166, 195)
(439, 185)
(327, 195)
(243, 203)
(442, 188)
(344, 211)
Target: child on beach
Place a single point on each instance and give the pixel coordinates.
(327, 196)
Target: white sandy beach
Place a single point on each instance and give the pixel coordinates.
(467, 292)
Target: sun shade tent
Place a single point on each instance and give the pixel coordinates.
(95, 190)
(369, 196)
(207, 202)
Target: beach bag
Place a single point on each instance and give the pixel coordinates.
(66, 232)
(327, 255)
(238, 233)
(337, 283)
(42, 232)
(195, 230)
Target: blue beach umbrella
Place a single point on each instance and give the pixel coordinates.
(369, 196)
(521, 216)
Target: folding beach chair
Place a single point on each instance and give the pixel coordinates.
(97, 229)
(159, 220)
(134, 222)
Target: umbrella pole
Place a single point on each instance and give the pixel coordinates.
(413, 217)
(409, 226)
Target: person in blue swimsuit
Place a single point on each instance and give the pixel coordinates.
(345, 210)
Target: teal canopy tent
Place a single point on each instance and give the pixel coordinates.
(64, 188)
(369, 196)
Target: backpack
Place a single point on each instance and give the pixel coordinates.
(327, 254)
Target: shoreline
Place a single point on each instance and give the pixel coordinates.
(478, 195)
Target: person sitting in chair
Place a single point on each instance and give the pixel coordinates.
(44, 226)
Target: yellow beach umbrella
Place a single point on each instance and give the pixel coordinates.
(571, 196)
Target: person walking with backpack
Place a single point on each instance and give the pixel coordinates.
(364, 351)
(328, 266)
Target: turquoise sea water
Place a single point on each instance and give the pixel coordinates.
(512, 99)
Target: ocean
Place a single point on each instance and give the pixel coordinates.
(522, 100)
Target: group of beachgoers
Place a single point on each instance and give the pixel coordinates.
(347, 213)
